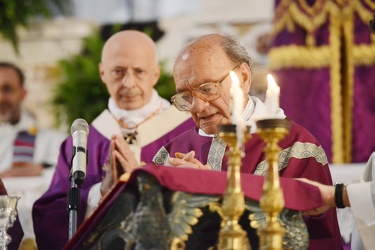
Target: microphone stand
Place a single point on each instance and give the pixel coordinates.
(74, 205)
(74, 196)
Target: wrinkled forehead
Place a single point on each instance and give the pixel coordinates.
(194, 67)
(129, 54)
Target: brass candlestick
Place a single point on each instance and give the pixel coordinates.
(231, 235)
(272, 200)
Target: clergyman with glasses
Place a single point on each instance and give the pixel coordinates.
(201, 74)
(136, 116)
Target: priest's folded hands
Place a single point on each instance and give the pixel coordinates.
(121, 160)
(187, 160)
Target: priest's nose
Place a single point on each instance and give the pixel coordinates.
(198, 104)
(129, 81)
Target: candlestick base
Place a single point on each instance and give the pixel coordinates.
(274, 123)
(231, 235)
(272, 200)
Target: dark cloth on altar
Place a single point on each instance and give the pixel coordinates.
(15, 231)
(200, 182)
(50, 211)
(301, 196)
(299, 163)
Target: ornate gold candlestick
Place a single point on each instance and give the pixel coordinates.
(272, 200)
(231, 235)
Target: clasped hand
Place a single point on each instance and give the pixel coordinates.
(121, 160)
(187, 160)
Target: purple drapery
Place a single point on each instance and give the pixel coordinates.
(323, 58)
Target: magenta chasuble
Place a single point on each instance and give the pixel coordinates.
(301, 156)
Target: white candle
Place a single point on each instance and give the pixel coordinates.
(272, 96)
(237, 106)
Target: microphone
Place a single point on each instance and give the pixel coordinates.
(79, 131)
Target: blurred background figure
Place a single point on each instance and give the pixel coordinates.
(25, 150)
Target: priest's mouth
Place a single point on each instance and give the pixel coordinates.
(207, 118)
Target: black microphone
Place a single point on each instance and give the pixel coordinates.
(79, 130)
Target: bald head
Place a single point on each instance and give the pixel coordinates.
(130, 40)
(212, 45)
(129, 68)
(204, 64)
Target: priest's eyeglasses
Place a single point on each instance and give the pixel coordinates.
(206, 91)
(120, 73)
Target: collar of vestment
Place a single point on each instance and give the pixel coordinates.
(254, 109)
(131, 119)
(107, 125)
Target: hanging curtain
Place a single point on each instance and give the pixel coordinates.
(323, 58)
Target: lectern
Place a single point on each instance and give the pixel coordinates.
(162, 207)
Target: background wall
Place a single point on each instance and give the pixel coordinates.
(47, 42)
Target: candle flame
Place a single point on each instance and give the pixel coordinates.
(272, 96)
(237, 106)
(235, 81)
(271, 81)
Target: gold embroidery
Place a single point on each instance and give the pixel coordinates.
(317, 57)
(341, 55)
(364, 14)
(161, 157)
(364, 54)
(312, 11)
(370, 3)
(288, 13)
(347, 88)
(216, 153)
(299, 57)
(186, 212)
(299, 150)
(335, 86)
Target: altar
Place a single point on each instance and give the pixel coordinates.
(31, 188)
(176, 206)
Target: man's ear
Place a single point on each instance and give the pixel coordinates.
(101, 71)
(246, 77)
(156, 75)
(24, 94)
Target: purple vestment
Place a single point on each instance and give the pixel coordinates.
(301, 157)
(50, 216)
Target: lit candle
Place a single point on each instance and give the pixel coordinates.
(237, 106)
(272, 96)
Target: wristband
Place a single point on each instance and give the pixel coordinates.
(46, 165)
(338, 195)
